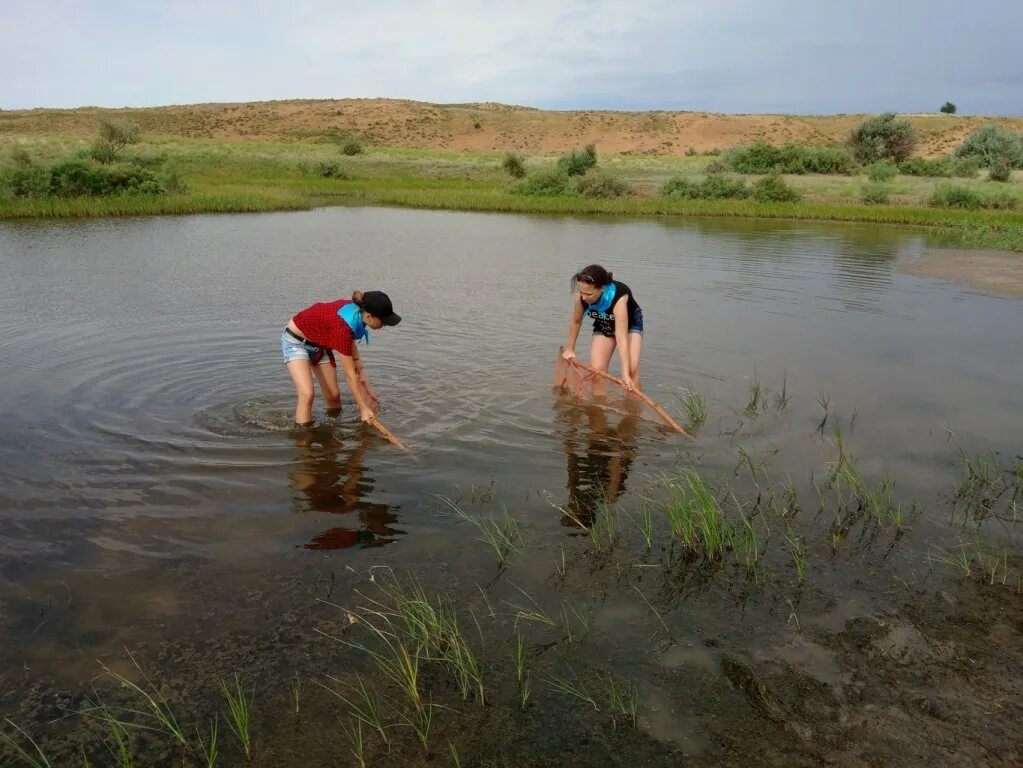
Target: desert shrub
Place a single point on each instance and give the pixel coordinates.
(761, 158)
(989, 143)
(876, 193)
(514, 165)
(883, 137)
(330, 169)
(882, 170)
(113, 137)
(542, 183)
(922, 166)
(577, 162)
(691, 152)
(25, 177)
(713, 152)
(773, 189)
(713, 187)
(351, 147)
(79, 178)
(1001, 169)
(967, 167)
(591, 150)
(599, 184)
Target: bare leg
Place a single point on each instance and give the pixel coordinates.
(326, 374)
(301, 375)
(635, 352)
(600, 356)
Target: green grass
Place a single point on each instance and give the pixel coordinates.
(243, 176)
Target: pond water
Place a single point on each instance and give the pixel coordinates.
(153, 495)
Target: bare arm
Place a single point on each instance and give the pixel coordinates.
(621, 312)
(573, 327)
(352, 376)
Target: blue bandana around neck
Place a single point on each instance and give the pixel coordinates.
(352, 315)
(603, 304)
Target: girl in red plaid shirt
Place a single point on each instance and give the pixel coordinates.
(316, 333)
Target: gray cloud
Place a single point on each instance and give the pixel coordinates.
(730, 56)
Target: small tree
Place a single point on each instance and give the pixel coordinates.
(883, 138)
(948, 108)
(113, 137)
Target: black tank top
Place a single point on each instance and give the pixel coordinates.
(604, 322)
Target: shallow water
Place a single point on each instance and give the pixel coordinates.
(145, 447)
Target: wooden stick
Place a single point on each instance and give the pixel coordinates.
(387, 434)
(657, 409)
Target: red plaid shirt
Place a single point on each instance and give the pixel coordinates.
(323, 326)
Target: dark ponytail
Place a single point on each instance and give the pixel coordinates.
(357, 298)
(594, 275)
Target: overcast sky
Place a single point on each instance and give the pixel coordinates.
(796, 56)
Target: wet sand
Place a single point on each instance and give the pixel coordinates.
(999, 273)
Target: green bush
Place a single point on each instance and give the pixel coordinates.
(883, 138)
(591, 150)
(773, 189)
(543, 184)
(882, 170)
(1000, 198)
(967, 167)
(713, 187)
(953, 196)
(25, 177)
(514, 165)
(989, 143)
(577, 162)
(351, 147)
(762, 158)
(876, 193)
(1001, 169)
(81, 178)
(922, 166)
(599, 184)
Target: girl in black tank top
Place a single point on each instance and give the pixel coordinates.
(617, 322)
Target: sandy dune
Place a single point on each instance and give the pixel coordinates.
(483, 127)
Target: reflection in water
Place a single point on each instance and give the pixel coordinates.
(334, 479)
(600, 445)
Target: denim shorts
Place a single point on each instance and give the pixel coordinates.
(293, 349)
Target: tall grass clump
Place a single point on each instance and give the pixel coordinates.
(602, 185)
(514, 165)
(762, 158)
(542, 184)
(330, 169)
(239, 710)
(883, 137)
(882, 171)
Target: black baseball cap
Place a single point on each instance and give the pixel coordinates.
(378, 304)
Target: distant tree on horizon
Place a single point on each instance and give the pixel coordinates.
(948, 108)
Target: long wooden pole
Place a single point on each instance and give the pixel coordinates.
(604, 374)
(387, 434)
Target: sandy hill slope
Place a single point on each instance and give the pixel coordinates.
(482, 127)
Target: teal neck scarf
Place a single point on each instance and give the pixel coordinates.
(352, 315)
(603, 304)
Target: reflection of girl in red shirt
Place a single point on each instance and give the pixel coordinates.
(314, 334)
